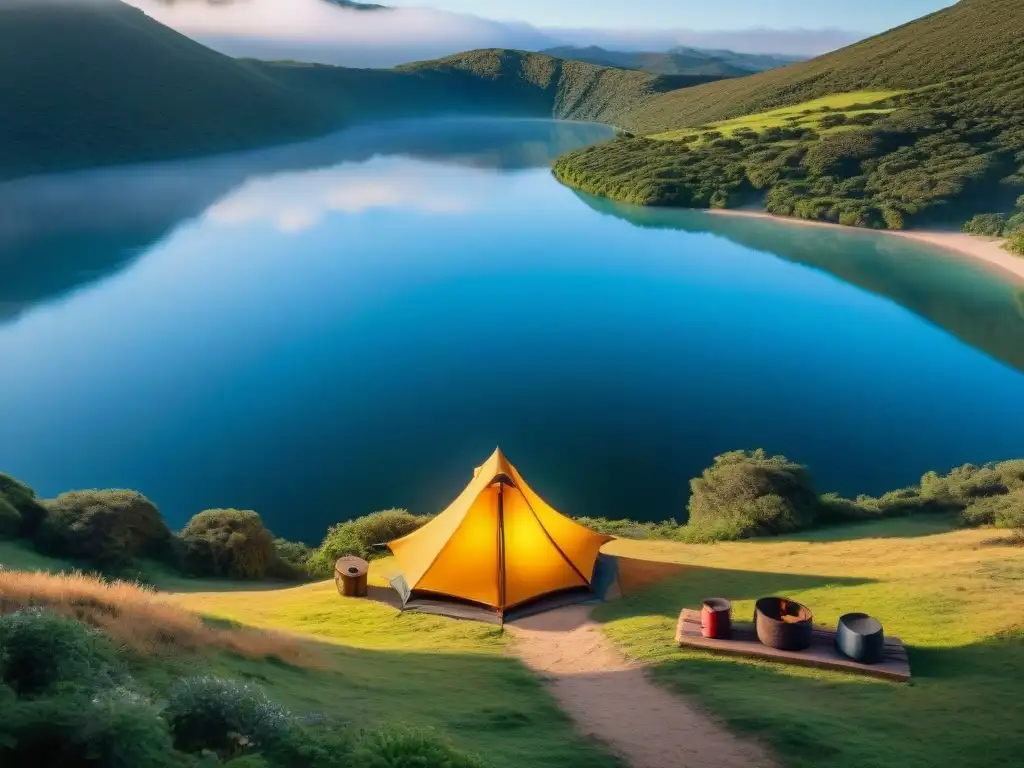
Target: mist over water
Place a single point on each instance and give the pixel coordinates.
(325, 329)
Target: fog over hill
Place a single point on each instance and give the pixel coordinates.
(369, 35)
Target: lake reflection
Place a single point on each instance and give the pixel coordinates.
(321, 330)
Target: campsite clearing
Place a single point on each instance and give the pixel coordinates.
(953, 597)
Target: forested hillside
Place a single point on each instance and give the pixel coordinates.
(945, 143)
(970, 37)
(714, 65)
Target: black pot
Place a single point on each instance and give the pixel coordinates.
(860, 637)
(775, 632)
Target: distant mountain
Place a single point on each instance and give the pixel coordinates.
(678, 61)
(354, 6)
(96, 83)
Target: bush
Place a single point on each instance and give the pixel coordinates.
(1015, 243)
(223, 716)
(359, 537)
(227, 543)
(290, 559)
(986, 224)
(404, 748)
(751, 494)
(1014, 224)
(23, 499)
(1006, 511)
(11, 522)
(39, 650)
(632, 529)
(110, 730)
(109, 528)
(832, 120)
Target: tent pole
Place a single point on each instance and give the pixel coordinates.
(501, 552)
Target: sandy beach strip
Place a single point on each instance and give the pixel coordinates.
(985, 249)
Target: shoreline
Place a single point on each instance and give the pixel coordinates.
(987, 250)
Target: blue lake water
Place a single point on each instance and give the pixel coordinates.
(321, 330)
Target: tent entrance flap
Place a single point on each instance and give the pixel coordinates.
(498, 545)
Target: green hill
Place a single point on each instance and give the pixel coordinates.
(920, 125)
(99, 82)
(714, 65)
(92, 83)
(970, 37)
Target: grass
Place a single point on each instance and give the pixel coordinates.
(807, 114)
(356, 660)
(956, 602)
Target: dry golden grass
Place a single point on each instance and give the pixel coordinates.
(138, 619)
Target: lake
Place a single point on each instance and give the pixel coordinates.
(325, 329)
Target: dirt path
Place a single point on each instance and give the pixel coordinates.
(612, 700)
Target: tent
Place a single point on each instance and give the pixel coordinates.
(498, 548)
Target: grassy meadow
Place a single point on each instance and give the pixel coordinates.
(807, 114)
(315, 652)
(953, 597)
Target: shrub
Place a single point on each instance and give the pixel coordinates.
(1006, 511)
(11, 522)
(359, 537)
(833, 120)
(223, 716)
(109, 730)
(1015, 243)
(228, 543)
(751, 494)
(109, 528)
(894, 219)
(39, 649)
(289, 561)
(986, 224)
(1014, 224)
(404, 748)
(631, 529)
(23, 499)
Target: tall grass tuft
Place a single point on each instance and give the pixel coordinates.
(138, 619)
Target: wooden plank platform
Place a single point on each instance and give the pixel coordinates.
(822, 653)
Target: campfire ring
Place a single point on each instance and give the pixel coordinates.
(783, 624)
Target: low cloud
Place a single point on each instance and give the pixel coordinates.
(316, 30)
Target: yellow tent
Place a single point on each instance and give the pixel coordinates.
(498, 545)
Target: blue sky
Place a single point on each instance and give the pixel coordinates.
(861, 15)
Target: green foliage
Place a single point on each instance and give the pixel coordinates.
(290, 560)
(227, 543)
(109, 528)
(11, 522)
(114, 729)
(405, 748)
(987, 224)
(1015, 243)
(747, 494)
(40, 650)
(1002, 511)
(945, 47)
(362, 537)
(223, 716)
(23, 499)
(631, 529)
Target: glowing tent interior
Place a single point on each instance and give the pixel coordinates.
(498, 548)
